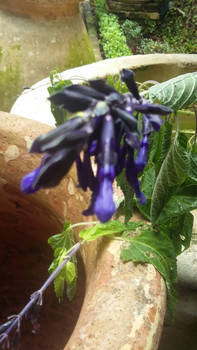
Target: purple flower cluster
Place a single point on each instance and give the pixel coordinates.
(109, 130)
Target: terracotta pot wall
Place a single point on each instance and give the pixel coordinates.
(42, 8)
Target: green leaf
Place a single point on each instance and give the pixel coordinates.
(62, 239)
(178, 205)
(157, 249)
(128, 193)
(173, 173)
(180, 231)
(57, 84)
(165, 144)
(70, 272)
(100, 230)
(179, 92)
(193, 164)
(61, 243)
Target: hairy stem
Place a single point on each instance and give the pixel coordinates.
(36, 297)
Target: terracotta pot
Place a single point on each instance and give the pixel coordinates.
(123, 304)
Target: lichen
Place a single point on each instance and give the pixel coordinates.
(80, 52)
(11, 80)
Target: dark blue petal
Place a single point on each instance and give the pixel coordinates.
(55, 168)
(71, 100)
(101, 86)
(104, 206)
(140, 161)
(153, 109)
(132, 177)
(121, 159)
(128, 77)
(87, 91)
(106, 171)
(146, 126)
(28, 180)
(132, 139)
(90, 209)
(156, 121)
(107, 143)
(85, 173)
(127, 118)
(56, 137)
(93, 147)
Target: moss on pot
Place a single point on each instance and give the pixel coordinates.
(11, 79)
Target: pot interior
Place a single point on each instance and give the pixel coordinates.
(24, 260)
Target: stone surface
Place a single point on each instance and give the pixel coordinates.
(42, 8)
(58, 205)
(43, 46)
(187, 261)
(33, 103)
(124, 304)
(134, 8)
(26, 222)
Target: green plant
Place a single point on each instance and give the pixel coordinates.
(148, 46)
(131, 29)
(113, 40)
(57, 84)
(168, 177)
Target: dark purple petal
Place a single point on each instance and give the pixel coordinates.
(52, 143)
(127, 118)
(93, 147)
(132, 139)
(106, 171)
(132, 177)
(29, 179)
(55, 168)
(149, 108)
(107, 143)
(140, 161)
(128, 77)
(85, 173)
(101, 86)
(146, 126)
(121, 159)
(55, 137)
(104, 206)
(87, 91)
(90, 209)
(155, 120)
(114, 98)
(71, 100)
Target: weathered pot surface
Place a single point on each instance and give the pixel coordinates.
(123, 304)
(42, 8)
(159, 67)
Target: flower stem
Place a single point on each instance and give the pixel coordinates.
(85, 223)
(36, 297)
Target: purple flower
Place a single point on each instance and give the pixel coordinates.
(132, 177)
(140, 161)
(108, 131)
(104, 206)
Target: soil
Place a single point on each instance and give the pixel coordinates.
(24, 268)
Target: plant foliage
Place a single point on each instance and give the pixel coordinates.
(57, 84)
(177, 93)
(113, 39)
(61, 244)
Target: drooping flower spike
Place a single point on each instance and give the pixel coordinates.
(105, 128)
